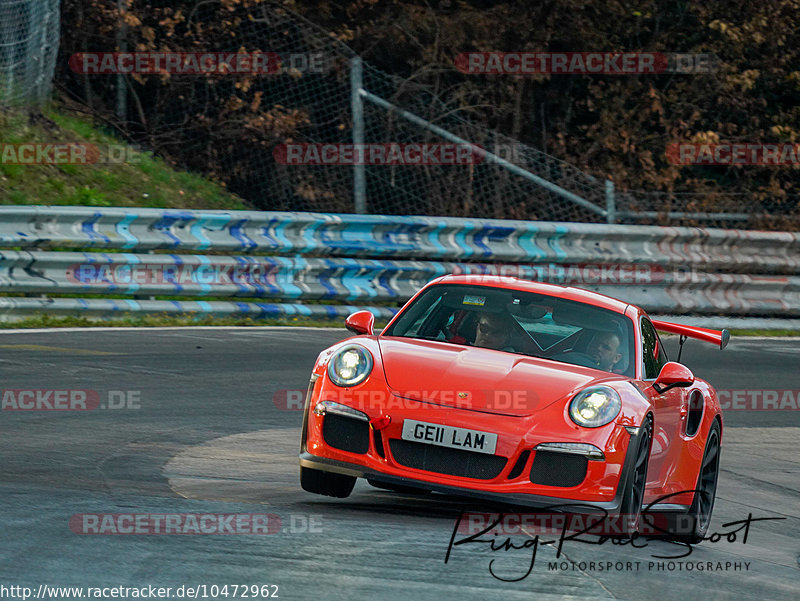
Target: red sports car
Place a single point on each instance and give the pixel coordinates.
(520, 392)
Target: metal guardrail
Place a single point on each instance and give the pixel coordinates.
(15, 308)
(373, 281)
(359, 261)
(375, 236)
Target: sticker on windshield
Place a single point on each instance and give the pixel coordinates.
(474, 300)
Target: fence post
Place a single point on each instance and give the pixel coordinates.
(357, 105)
(7, 59)
(122, 46)
(611, 204)
(40, 85)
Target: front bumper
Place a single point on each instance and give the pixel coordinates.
(600, 488)
(523, 499)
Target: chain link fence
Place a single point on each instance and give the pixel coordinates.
(29, 35)
(229, 126)
(324, 111)
(484, 189)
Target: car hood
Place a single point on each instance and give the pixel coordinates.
(479, 379)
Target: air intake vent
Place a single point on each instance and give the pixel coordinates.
(378, 442)
(346, 433)
(558, 469)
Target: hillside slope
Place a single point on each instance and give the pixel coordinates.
(135, 178)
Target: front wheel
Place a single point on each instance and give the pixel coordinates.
(633, 494)
(329, 484)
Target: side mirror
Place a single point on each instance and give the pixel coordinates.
(673, 375)
(360, 322)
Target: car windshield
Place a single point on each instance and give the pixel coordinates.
(524, 323)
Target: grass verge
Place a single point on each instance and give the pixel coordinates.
(129, 178)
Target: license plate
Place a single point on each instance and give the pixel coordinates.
(449, 436)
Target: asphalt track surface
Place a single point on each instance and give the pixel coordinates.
(203, 435)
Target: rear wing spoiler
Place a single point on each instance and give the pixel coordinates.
(719, 337)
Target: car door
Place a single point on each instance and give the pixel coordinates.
(667, 406)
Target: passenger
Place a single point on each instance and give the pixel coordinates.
(494, 332)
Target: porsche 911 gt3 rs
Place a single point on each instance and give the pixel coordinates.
(520, 392)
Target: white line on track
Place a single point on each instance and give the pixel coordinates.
(256, 328)
(161, 328)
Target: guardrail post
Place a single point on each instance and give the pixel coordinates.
(145, 296)
(357, 105)
(611, 203)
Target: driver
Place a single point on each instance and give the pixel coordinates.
(605, 350)
(494, 331)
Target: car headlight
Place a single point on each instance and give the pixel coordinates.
(595, 407)
(350, 365)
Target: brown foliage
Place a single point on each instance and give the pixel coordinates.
(609, 126)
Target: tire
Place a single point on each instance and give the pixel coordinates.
(397, 487)
(633, 493)
(329, 484)
(698, 517)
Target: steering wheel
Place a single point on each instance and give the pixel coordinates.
(576, 358)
